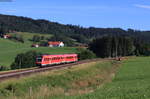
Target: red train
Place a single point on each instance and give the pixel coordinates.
(45, 60)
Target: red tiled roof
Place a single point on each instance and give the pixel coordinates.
(54, 43)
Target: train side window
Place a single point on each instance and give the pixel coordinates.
(49, 59)
(45, 59)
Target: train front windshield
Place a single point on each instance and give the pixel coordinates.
(39, 59)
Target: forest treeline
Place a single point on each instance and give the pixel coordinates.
(118, 46)
(10, 23)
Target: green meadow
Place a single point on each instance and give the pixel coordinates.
(9, 49)
(132, 81)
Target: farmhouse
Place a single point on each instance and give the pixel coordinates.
(6, 36)
(55, 44)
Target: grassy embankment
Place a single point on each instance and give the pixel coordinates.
(9, 49)
(78, 80)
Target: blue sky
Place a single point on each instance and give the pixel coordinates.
(98, 13)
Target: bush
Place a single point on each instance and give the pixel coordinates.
(3, 68)
(17, 37)
(36, 38)
(43, 43)
(25, 60)
(85, 54)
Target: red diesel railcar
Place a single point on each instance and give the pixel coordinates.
(45, 60)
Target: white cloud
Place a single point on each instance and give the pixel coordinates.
(7, 10)
(142, 6)
(10, 10)
(71, 7)
(5, 0)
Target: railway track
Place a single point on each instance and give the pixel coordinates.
(22, 73)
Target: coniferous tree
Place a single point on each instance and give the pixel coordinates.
(113, 46)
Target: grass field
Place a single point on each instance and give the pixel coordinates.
(131, 82)
(9, 49)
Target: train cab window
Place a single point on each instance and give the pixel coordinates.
(39, 58)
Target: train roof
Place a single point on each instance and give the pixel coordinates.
(56, 55)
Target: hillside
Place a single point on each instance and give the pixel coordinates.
(78, 33)
(9, 49)
(28, 36)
